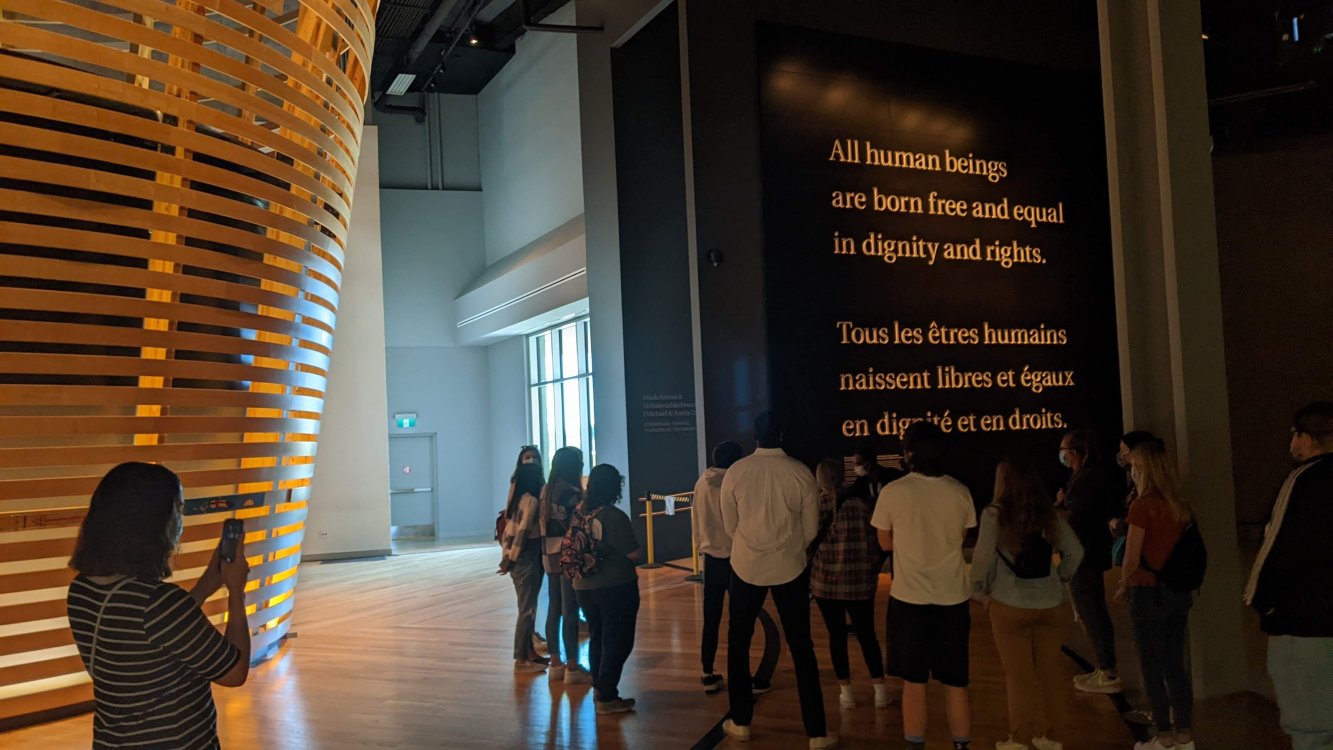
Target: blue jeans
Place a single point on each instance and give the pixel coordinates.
(1302, 672)
(562, 619)
(1161, 620)
(612, 616)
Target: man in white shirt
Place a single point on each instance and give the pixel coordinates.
(770, 508)
(923, 519)
(714, 545)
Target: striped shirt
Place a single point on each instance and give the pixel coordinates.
(156, 657)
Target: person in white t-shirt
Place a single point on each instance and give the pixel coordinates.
(923, 519)
(770, 508)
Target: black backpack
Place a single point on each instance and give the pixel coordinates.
(1184, 567)
(1033, 560)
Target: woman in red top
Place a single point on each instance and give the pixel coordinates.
(1157, 518)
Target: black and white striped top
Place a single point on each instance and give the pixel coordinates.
(156, 657)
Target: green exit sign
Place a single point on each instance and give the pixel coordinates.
(405, 420)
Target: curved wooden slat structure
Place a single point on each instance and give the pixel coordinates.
(175, 185)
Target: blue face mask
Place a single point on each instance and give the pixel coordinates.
(1064, 459)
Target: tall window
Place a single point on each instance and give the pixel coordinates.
(560, 390)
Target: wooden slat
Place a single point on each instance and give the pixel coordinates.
(37, 395)
(93, 426)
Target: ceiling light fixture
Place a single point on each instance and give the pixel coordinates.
(401, 84)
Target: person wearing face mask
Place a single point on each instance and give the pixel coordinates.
(870, 476)
(1289, 585)
(1090, 501)
(141, 636)
(1128, 442)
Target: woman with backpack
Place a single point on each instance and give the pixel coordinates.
(1160, 600)
(600, 553)
(1012, 570)
(844, 575)
(563, 491)
(522, 546)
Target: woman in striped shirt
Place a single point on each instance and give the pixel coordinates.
(150, 649)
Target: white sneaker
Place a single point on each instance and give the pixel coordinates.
(577, 676)
(528, 667)
(1041, 743)
(846, 699)
(882, 697)
(1097, 682)
(821, 743)
(1153, 744)
(736, 731)
(556, 672)
(1009, 744)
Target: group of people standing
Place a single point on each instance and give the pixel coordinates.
(765, 525)
(585, 549)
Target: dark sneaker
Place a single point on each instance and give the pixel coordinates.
(759, 688)
(713, 683)
(617, 706)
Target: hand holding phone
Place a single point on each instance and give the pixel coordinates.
(231, 556)
(233, 531)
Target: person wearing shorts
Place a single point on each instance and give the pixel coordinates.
(923, 518)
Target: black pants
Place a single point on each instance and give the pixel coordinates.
(862, 612)
(717, 579)
(612, 614)
(1087, 591)
(793, 602)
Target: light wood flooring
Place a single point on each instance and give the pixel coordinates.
(413, 652)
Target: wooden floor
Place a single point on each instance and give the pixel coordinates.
(413, 652)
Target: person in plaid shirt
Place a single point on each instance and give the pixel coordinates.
(844, 576)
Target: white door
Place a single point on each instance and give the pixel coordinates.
(412, 485)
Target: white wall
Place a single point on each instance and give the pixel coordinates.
(508, 412)
(529, 140)
(349, 505)
(433, 246)
(447, 387)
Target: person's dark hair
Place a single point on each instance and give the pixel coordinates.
(726, 453)
(1316, 420)
(567, 467)
(924, 445)
(866, 454)
(1084, 443)
(604, 487)
(1025, 508)
(1135, 438)
(768, 429)
(131, 522)
(527, 481)
(518, 463)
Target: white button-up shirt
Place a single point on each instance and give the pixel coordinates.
(770, 508)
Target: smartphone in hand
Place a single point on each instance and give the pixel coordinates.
(233, 530)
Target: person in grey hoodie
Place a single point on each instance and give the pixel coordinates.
(714, 544)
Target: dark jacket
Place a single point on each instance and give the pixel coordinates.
(867, 487)
(1092, 499)
(1294, 595)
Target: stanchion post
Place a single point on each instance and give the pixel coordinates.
(648, 521)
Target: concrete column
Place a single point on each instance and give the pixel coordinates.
(1168, 290)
